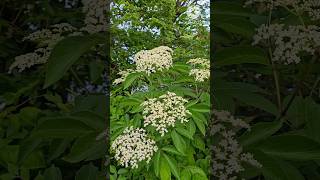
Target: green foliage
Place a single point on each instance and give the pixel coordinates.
(281, 102)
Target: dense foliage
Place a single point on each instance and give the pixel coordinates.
(53, 103)
(266, 72)
(170, 106)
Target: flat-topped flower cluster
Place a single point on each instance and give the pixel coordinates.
(149, 61)
(165, 111)
(289, 41)
(153, 60)
(133, 146)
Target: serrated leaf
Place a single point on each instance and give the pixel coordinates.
(130, 79)
(173, 165)
(165, 173)
(185, 133)
(178, 142)
(276, 169)
(156, 163)
(65, 54)
(172, 150)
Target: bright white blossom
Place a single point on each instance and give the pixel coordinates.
(311, 7)
(227, 152)
(153, 60)
(133, 146)
(289, 41)
(164, 112)
(148, 61)
(201, 72)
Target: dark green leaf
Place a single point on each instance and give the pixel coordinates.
(65, 54)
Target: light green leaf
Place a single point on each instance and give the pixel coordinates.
(173, 165)
(165, 173)
(178, 142)
(172, 150)
(130, 79)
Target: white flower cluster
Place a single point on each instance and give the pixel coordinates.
(289, 41)
(164, 112)
(149, 61)
(227, 153)
(95, 21)
(96, 15)
(133, 146)
(312, 7)
(123, 75)
(153, 60)
(203, 71)
(47, 39)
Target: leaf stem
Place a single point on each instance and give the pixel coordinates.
(274, 70)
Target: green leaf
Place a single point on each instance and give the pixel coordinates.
(259, 132)
(58, 147)
(184, 132)
(276, 169)
(130, 79)
(91, 119)
(165, 173)
(26, 148)
(94, 103)
(185, 175)
(292, 147)
(198, 119)
(199, 143)
(230, 9)
(52, 173)
(34, 161)
(178, 142)
(191, 127)
(200, 108)
(156, 163)
(257, 101)
(39, 177)
(172, 150)
(237, 25)
(173, 165)
(87, 172)
(240, 55)
(86, 148)
(61, 127)
(65, 54)
(198, 171)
